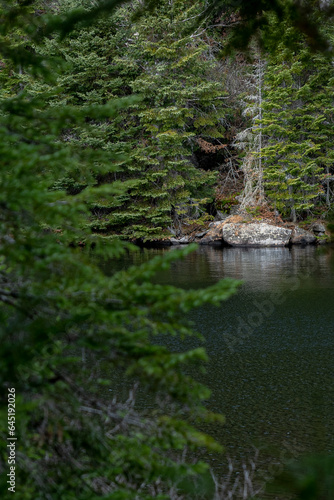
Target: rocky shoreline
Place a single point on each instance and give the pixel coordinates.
(236, 232)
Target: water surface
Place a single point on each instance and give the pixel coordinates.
(271, 347)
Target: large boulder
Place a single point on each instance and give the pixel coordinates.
(302, 237)
(256, 235)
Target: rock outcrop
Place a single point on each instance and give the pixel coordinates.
(240, 231)
(302, 237)
(256, 235)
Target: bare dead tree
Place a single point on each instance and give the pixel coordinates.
(250, 140)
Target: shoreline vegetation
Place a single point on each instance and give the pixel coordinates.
(246, 231)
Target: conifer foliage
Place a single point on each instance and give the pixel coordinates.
(99, 123)
(69, 335)
(156, 59)
(297, 121)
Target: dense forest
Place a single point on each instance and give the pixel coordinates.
(210, 131)
(202, 131)
(125, 123)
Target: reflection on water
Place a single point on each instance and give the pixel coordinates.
(271, 346)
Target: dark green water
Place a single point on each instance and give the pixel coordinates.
(271, 347)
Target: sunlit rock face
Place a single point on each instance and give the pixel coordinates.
(258, 235)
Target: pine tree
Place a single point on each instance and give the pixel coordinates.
(159, 134)
(68, 333)
(297, 120)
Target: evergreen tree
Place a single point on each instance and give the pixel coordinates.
(297, 120)
(68, 332)
(179, 105)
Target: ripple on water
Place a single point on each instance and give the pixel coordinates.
(271, 359)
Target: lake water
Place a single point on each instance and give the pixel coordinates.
(271, 348)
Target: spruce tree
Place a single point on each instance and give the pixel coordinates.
(179, 104)
(69, 335)
(297, 121)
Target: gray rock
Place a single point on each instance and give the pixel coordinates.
(200, 235)
(179, 241)
(302, 237)
(318, 228)
(256, 235)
